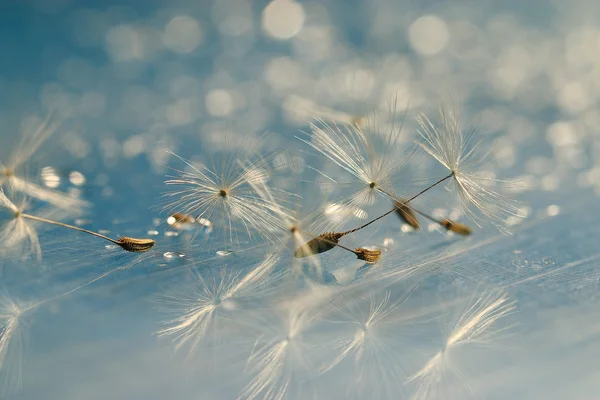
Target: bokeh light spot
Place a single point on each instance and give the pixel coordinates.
(428, 35)
(183, 34)
(283, 19)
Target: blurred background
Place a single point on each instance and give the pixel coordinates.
(131, 80)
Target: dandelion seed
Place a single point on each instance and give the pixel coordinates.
(135, 245)
(126, 243)
(406, 214)
(369, 256)
(455, 227)
(374, 155)
(31, 141)
(330, 240)
(226, 198)
(450, 144)
(181, 221)
(205, 307)
(280, 363)
(11, 342)
(318, 245)
(18, 232)
(445, 223)
(474, 327)
(294, 232)
(372, 337)
(18, 235)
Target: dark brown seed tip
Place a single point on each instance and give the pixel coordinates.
(369, 256)
(183, 218)
(407, 214)
(135, 245)
(456, 227)
(318, 245)
(181, 221)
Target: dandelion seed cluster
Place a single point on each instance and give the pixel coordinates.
(290, 280)
(316, 224)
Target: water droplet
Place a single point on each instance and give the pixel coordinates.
(111, 246)
(224, 253)
(152, 233)
(171, 233)
(553, 210)
(406, 228)
(173, 255)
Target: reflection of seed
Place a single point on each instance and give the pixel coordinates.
(135, 245)
(455, 227)
(406, 214)
(318, 245)
(181, 221)
(369, 256)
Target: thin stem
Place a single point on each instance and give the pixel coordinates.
(49, 221)
(323, 239)
(342, 246)
(427, 216)
(394, 209)
(404, 202)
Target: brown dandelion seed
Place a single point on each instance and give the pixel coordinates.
(407, 214)
(369, 256)
(183, 218)
(135, 245)
(318, 245)
(181, 221)
(328, 241)
(126, 243)
(455, 227)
